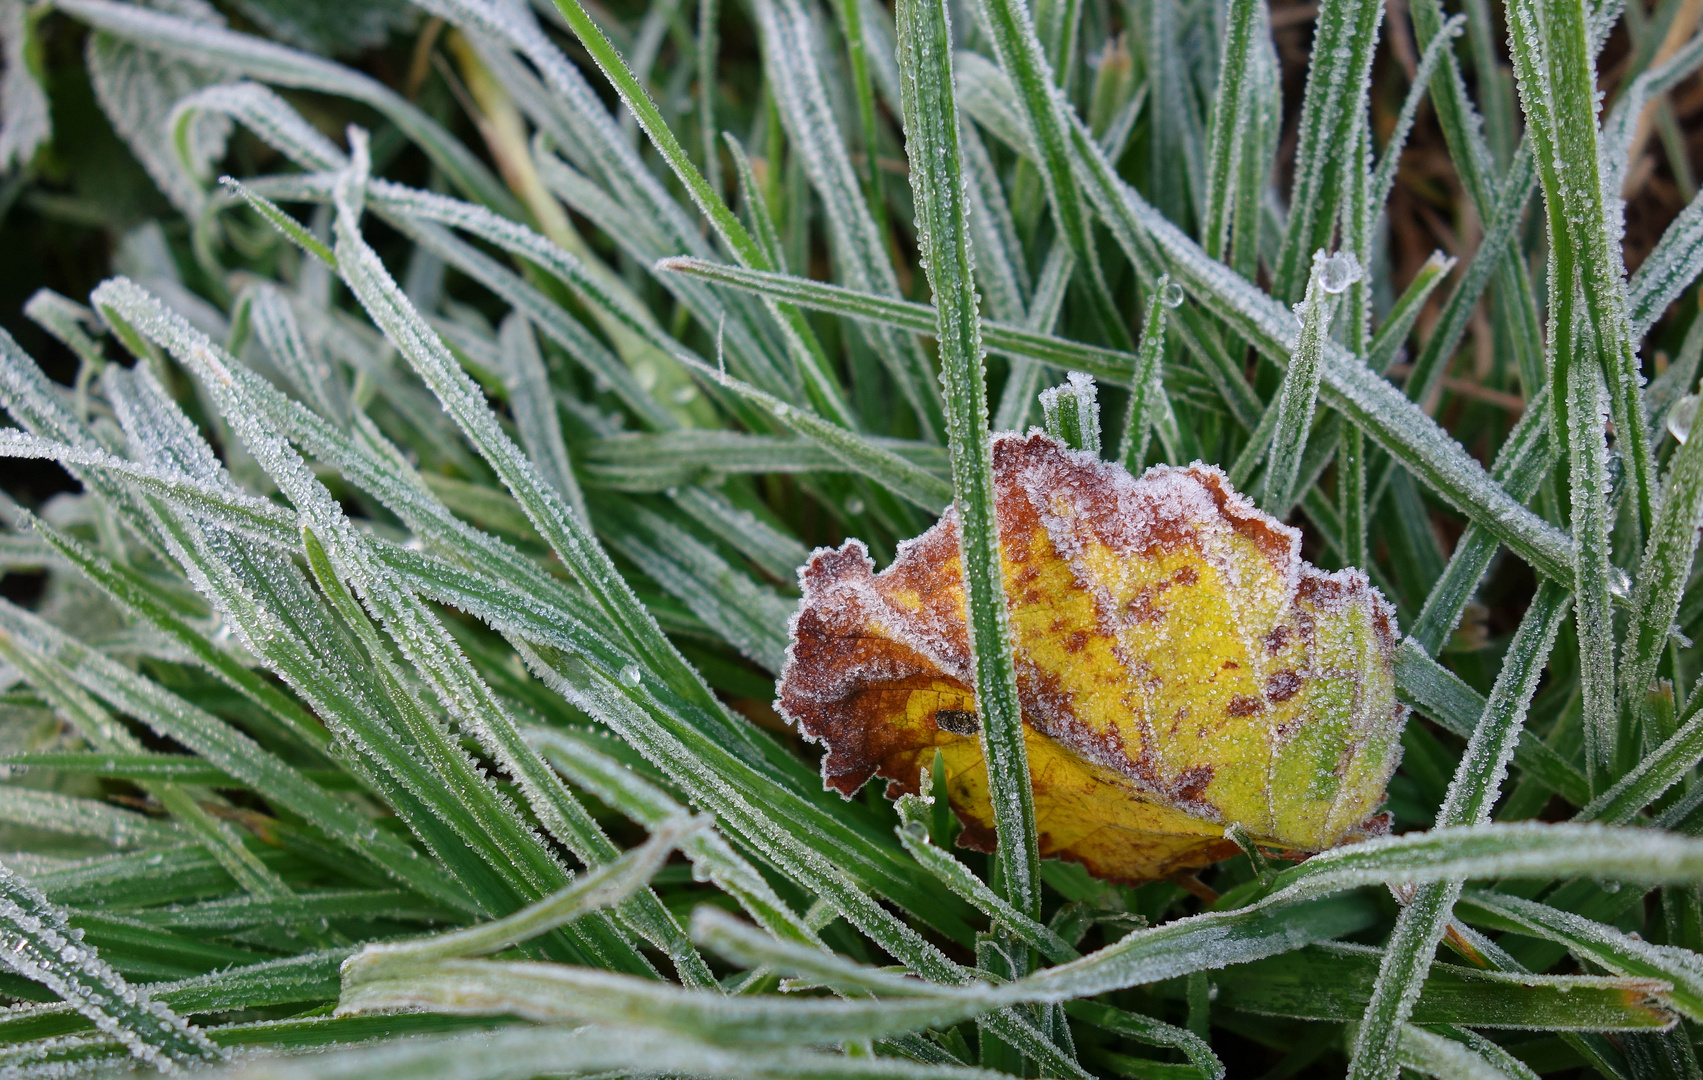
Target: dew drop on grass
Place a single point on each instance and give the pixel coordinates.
(854, 506)
(631, 675)
(1339, 272)
(1173, 295)
(1682, 416)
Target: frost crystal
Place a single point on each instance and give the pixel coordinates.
(1339, 272)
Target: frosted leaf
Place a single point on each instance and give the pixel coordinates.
(137, 88)
(1682, 416)
(24, 120)
(1177, 664)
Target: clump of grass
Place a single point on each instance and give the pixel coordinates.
(443, 476)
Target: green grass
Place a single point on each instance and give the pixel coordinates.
(398, 675)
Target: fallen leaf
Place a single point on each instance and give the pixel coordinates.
(1180, 668)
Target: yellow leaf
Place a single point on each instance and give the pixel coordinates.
(1180, 668)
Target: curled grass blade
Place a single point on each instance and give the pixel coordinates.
(218, 49)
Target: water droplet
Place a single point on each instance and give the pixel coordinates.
(854, 506)
(1338, 272)
(631, 675)
(1172, 297)
(1681, 417)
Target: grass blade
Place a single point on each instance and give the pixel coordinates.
(605, 887)
(1331, 276)
(1041, 120)
(1662, 575)
(40, 945)
(1590, 940)
(1554, 59)
(1230, 122)
(858, 243)
(1149, 407)
(937, 183)
(1472, 794)
(1332, 107)
(710, 854)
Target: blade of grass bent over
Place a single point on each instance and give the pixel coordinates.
(605, 886)
(219, 49)
(619, 787)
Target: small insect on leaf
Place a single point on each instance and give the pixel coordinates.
(1180, 669)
